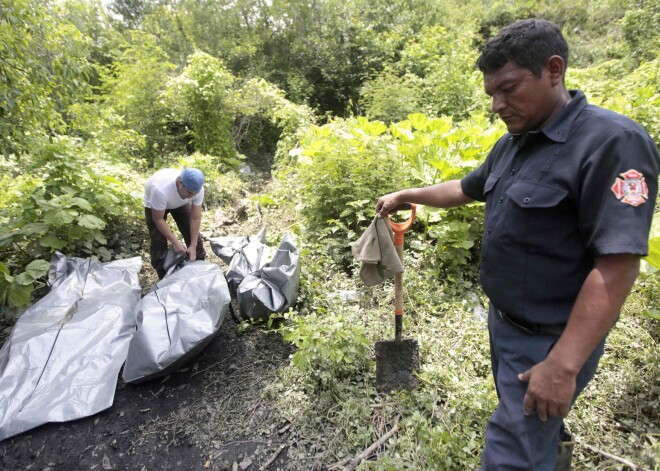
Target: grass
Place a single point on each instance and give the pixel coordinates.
(337, 413)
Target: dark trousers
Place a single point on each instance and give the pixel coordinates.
(515, 442)
(158, 248)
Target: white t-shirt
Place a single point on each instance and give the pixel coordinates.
(160, 191)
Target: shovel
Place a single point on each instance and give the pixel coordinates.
(397, 360)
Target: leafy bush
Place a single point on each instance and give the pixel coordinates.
(256, 97)
(633, 93)
(435, 76)
(61, 203)
(203, 98)
(133, 87)
(344, 166)
(641, 29)
(390, 98)
(44, 69)
(331, 344)
(15, 290)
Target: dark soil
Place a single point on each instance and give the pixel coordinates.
(211, 414)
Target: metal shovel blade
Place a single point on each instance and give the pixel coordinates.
(397, 361)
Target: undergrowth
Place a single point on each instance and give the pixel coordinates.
(328, 390)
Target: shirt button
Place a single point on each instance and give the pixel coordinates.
(501, 199)
(490, 229)
(526, 199)
(513, 172)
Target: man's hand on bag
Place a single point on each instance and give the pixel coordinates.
(179, 247)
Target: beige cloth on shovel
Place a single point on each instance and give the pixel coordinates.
(375, 249)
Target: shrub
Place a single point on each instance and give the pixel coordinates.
(62, 203)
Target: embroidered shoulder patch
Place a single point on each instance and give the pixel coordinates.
(630, 188)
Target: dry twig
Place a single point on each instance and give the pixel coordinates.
(349, 463)
(265, 466)
(631, 465)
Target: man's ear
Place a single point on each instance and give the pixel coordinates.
(556, 68)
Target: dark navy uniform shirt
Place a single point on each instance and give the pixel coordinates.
(583, 186)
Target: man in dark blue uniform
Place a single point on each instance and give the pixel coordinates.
(570, 193)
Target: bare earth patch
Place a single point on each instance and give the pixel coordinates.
(208, 415)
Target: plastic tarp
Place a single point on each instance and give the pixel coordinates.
(63, 356)
(177, 320)
(274, 287)
(243, 255)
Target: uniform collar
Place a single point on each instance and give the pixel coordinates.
(559, 128)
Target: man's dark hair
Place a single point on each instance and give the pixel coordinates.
(527, 43)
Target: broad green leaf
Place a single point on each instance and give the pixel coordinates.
(419, 121)
(652, 313)
(374, 128)
(4, 274)
(401, 133)
(441, 125)
(6, 239)
(91, 222)
(100, 238)
(81, 203)
(53, 242)
(24, 279)
(19, 295)
(654, 252)
(37, 268)
(59, 217)
(34, 228)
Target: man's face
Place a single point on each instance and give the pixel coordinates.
(524, 101)
(183, 191)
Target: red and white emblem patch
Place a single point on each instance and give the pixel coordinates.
(631, 188)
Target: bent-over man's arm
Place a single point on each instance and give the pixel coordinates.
(158, 217)
(195, 222)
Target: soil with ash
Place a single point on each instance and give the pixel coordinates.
(211, 414)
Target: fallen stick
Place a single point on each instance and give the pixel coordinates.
(352, 463)
(631, 465)
(265, 466)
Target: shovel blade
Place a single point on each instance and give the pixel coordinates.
(396, 364)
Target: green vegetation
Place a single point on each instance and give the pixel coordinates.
(339, 102)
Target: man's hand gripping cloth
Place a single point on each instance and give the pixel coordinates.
(375, 249)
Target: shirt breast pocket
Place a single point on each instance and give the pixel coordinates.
(540, 216)
(491, 181)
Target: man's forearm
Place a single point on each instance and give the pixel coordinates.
(164, 229)
(443, 195)
(195, 224)
(596, 310)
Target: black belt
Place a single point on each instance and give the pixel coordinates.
(530, 328)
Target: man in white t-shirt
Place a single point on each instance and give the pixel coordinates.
(179, 193)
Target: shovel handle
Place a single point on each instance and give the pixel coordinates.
(400, 228)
